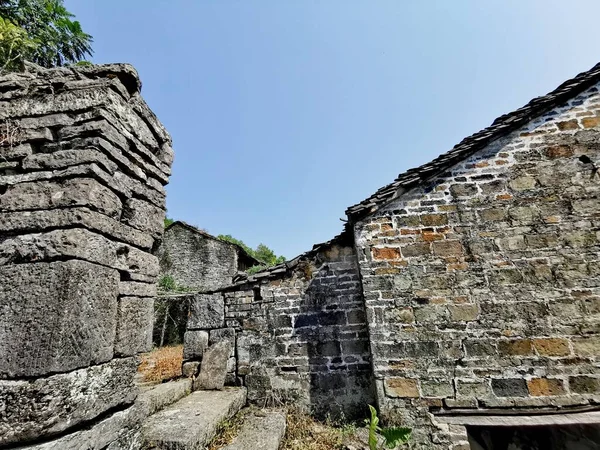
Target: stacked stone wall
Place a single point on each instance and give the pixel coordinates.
(83, 162)
(196, 260)
(300, 335)
(482, 286)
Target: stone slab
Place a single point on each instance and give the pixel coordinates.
(213, 369)
(194, 344)
(223, 334)
(207, 311)
(521, 420)
(56, 317)
(77, 243)
(135, 321)
(192, 422)
(32, 409)
(41, 220)
(260, 431)
(165, 394)
(59, 194)
(117, 432)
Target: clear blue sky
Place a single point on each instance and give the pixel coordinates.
(284, 113)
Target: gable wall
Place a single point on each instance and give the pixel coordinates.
(482, 287)
(197, 261)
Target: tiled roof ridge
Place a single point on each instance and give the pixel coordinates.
(500, 127)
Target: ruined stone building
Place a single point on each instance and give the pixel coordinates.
(462, 296)
(463, 299)
(198, 260)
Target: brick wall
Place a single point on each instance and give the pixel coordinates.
(83, 162)
(300, 335)
(482, 286)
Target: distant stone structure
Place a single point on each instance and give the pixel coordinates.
(83, 162)
(198, 260)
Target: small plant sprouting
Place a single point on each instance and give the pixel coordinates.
(167, 283)
(391, 437)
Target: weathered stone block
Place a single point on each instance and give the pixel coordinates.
(387, 253)
(223, 334)
(207, 311)
(552, 346)
(438, 389)
(32, 409)
(194, 344)
(447, 248)
(464, 313)
(584, 384)
(545, 387)
(517, 347)
(509, 387)
(402, 387)
(189, 369)
(134, 325)
(213, 368)
(77, 243)
(56, 317)
(144, 216)
(418, 249)
(59, 194)
(588, 346)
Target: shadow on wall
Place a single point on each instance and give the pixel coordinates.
(332, 324)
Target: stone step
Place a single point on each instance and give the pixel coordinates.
(162, 395)
(192, 422)
(261, 430)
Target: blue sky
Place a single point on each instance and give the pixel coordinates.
(284, 113)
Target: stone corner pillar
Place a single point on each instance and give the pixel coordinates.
(83, 164)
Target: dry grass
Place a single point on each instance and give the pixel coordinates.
(305, 433)
(161, 364)
(228, 430)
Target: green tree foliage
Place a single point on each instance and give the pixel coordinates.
(15, 46)
(51, 37)
(168, 221)
(264, 254)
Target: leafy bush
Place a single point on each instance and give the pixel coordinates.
(264, 254)
(392, 437)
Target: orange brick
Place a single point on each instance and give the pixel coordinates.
(482, 164)
(552, 346)
(568, 125)
(402, 387)
(386, 253)
(431, 236)
(406, 231)
(590, 122)
(518, 347)
(501, 162)
(386, 227)
(559, 151)
(503, 197)
(545, 387)
(457, 266)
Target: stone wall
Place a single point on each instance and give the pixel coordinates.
(482, 286)
(197, 260)
(83, 162)
(299, 330)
